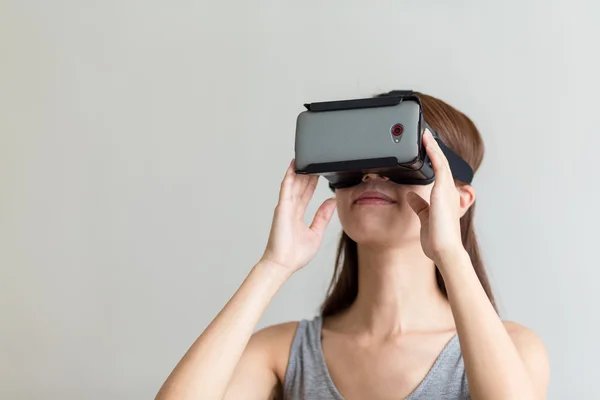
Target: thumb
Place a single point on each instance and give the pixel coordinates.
(419, 205)
(323, 216)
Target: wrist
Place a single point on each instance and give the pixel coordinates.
(453, 258)
(273, 270)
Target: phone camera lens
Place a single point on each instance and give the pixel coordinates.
(397, 130)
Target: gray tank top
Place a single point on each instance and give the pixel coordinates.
(307, 377)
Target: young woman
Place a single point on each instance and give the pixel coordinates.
(409, 315)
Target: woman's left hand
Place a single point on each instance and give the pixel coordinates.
(440, 219)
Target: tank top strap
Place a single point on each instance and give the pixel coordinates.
(307, 376)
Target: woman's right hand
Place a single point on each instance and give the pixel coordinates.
(291, 243)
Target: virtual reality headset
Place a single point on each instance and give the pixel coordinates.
(344, 140)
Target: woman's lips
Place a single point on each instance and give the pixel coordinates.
(373, 198)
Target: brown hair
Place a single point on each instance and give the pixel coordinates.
(460, 134)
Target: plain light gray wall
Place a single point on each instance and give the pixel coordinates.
(142, 144)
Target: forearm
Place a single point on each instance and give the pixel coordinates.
(494, 367)
(207, 367)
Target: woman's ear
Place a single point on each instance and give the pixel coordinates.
(467, 197)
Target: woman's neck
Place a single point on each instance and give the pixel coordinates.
(398, 293)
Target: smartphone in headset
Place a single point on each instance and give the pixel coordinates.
(343, 140)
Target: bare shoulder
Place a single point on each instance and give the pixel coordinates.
(275, 338)
(523, 336)
(278, 331)
(258, 373)
(275, 341)
(532, 350)
(261, 363)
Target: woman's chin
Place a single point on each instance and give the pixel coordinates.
(377, 236)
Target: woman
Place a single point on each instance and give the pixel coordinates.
(410, 313)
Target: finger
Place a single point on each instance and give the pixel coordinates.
(303, 182)
(323, 216)
(300, 182)
(419, 205)
(440, 164)
(285, 191)
(309, 190)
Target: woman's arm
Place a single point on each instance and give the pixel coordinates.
(502, 362)
(206, 370)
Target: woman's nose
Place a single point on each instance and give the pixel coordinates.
(368, 177)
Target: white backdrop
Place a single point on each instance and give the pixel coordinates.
(142, 144)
